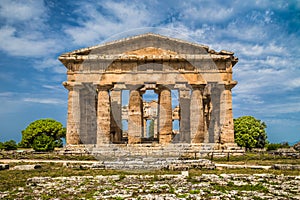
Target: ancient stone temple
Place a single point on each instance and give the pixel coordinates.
(99, 77)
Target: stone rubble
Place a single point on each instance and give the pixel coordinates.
(26, 167)
(173, 164)
(4, 166)
(156, 187)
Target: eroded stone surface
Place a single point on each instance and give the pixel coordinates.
(149, 187)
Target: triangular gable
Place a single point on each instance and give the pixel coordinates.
(141, 42)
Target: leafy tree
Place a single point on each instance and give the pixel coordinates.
(250, 132)
(43, 143)
(9, 145)
(41, 132)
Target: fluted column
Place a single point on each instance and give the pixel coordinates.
(184, 127)
(197, 115)
(116, 115)
(73, 121)
(165, 116)
(135, 119)
(103, 116)
(227, 130)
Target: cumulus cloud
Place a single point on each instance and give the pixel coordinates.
(22, 11)
(51, 64)
(21, 45)
(96, 26)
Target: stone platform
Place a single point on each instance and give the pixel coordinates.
(177, 150)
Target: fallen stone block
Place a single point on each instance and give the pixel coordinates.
(4, 166)
(26, 167)
(286, 167)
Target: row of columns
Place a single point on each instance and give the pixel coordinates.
(109, 121)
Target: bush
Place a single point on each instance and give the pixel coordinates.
(9, 145)
(275, 146)
(43, 135)
(43, 143)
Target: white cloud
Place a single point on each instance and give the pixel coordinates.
(95, 26)
(16, 45)
(19, 11)
(45, 100)
(5, 94)
(293, 83)
(206, 12)
(51, 64)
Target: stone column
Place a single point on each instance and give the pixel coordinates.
(155, 128)
(165, 115)
(88, 115)
(197, 115)
(227, 129)
(73, 121)
(184, 127)
(116, 115)
(214, 129)
(103, 115)
(135, 117)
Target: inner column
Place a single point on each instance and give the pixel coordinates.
(116, 115)
(103, 116)
(165, 115)
(184, 103)
(197, 115)
(135, 117)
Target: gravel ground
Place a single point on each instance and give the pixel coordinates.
(205, 186)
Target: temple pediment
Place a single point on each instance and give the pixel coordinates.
(150, 51)
(141, 42)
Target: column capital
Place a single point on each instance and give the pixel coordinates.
(72, 85)
(103, 87)
(230, 84)
(118, 86)
(198, 86)
(160, 88)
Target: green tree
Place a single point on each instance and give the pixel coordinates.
(43, 143)
(41, 132)
(250, 132)
(9, 145)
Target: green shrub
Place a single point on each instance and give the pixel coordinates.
(43, 143)
(9, 145)
(275, 146)
(47, 132)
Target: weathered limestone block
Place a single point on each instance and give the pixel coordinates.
(135, 120)
(103, 116)
(165, 116)
(26, 167)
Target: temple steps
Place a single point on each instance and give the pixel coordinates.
(178, 150)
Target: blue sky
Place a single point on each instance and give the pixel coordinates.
(265, 35)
